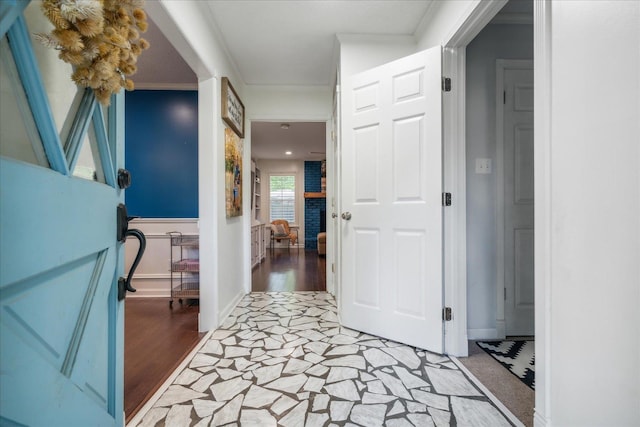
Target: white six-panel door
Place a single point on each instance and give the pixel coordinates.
(391, 190)
(518, 198)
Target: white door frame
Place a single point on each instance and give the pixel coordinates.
(501, 65)
(455, 181)
(455, 216)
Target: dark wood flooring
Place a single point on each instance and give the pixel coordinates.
(288, 271)
(156, 340)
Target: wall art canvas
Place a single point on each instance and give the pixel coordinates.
(233, 173)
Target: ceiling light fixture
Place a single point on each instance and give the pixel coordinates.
(288, 153)
(284, 126)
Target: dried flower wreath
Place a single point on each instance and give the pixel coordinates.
(100, 38)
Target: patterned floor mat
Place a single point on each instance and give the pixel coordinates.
(517, 356)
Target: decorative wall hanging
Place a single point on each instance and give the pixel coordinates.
(232, 108)
(233, 173)
(100, 38)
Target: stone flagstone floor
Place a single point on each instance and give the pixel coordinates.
(282, 359)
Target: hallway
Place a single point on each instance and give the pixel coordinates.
(290, 271)
(283, 359)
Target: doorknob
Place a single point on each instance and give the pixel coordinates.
(346, 216)
(334, 215)
(124, 178)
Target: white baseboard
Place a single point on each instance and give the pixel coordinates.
(149, 292)
(501, 328)
(226, 311)
(539, 420)
(156, 285)
(487, 393)
(482, 334)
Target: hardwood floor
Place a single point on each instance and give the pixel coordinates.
(156, 340)
(288, 271)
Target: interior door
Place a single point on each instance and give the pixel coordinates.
(61, 321)
(391, 201)
(518, 198)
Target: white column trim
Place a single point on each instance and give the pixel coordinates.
(542, 182)
(455, 222)
(454, 128)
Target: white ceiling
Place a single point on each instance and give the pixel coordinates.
(294, 42)
(287, 42)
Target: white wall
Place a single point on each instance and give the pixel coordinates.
(494, 42)
(282, 167)
(588, 213)
(361, 52)
(224, 243)
(302, 103)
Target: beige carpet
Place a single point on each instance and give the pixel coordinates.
(512, 392)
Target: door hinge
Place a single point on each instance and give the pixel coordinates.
(333, 268)
(446, 84)
(447, 314)
(505, 294)
(446, 199)
(504, 97)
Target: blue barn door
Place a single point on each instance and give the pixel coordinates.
(61, 319)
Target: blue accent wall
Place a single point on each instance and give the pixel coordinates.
(161, 152)
(312, 207)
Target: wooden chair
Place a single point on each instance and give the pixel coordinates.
(280, 231)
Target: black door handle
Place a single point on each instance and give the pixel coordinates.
(123, 231)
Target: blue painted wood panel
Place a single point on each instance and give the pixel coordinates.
(61, 324)
(162, 153)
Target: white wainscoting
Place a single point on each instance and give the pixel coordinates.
(152, 277)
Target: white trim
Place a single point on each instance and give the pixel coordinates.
(226, 311)
(161, 285)
(505, 411)
(501, 328)
(165, 386)
(162, 292)
(149, 236)
(167, 86)
(163, 220)
(499, 208)
(478, 17)
(454, 217)
(501, 65)
(483, 334)
(542, 35)
(454, 129)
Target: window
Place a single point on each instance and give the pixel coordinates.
(282, 197)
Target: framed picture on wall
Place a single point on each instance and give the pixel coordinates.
(233, 173)
(232, 108)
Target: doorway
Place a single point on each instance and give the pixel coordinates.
(499, 196)
(288, 200)
(162, 154)
(499, 181)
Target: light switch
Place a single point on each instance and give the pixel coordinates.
(483, 165)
